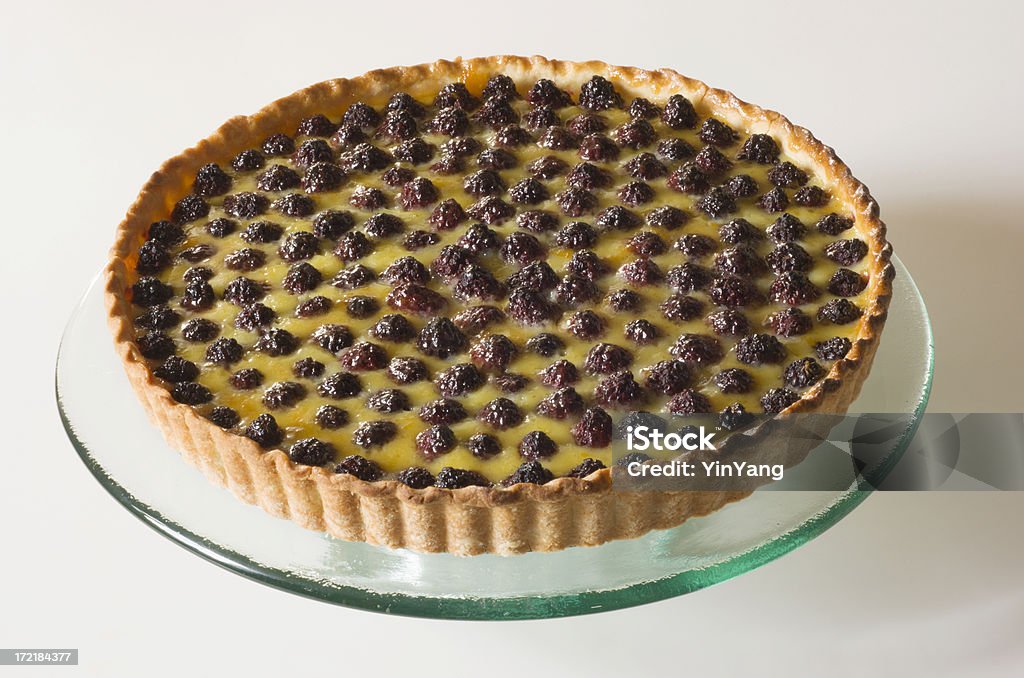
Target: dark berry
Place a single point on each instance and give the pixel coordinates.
(295, 205)
(496, 113)
(374, 433)
(415, 151)
(278, 144)
(847, 283)
(246, 379)
(599, 148)
(546, 93)
(688, 277)
(675, 149)
(500, 413)
(496, 159)
(835, 348)
(599, 94)
(388, 401)
(402, 101)
(733, 291)
(383, 225)
(531, 472)
(500, 86)
(399, 125)
(681, 308)
(668, 377)
(689, 402)
(734, 380)
(588, 466)
(175, 369)
(739, 231)
(717, 203)
(190, 208)
(541, 117)
(363, 356)
(789, 257)
(741, 186)
(711, 161)
(793, 289)
(458, 380)
(368, 198)
(528, 191)
(147, 291)
(607, 358)
(786, 228)
(573, 290)
(642, 332)
(790, 322)
(417, 240)
(262, 232)
(361, 307)
(491, 210)
(405, 370)
(547, 167)
(353, 277)
(594, 429)
(332, 224)
(679, 113)
(417, 299)
(846, 252)
(277, 342)
(759, 148)
(456, 94)
(646, 167)
(332, 338)
(242, 291)
(277, 178)
(576, 202)
(475, 319)
(248, 161)
(521, 248)
(484, 182)
(222, 227)
(635, 134)
(839, 312)
(322, 176)
(510, 382)
(246, 205)
(299, 245)
(396, 176)
(416, 477)
(479, 239)
(624, 300)
(586, 325)
(440, 338)
(308, 368)
(224, 417)
(576, 235)
(264, 431)
(561, 404)
(448, 164)
(689, 179)
(803, 373)
(735, 417)
(200, 330)
(211, 180)
(283, 394)
(636, 193)
(538, 221)
(778, 399)
(254, 316)
(348, 136)
(353, 246)
(559, 374)
(545, 344)
(361, 115)
(449, 478)
(191, 393)
(587, 264)
(363, 468)
(787, 175)
(158, 318)
(152, 258)
(435, 441)
(619, 390)
(447, 215)
(760, 349)
(197, 253)
(833, 224)
(364, 158)
(312, 307)
(728, 322)
(717, 133)
(199, 296)
(331, 417)
(340, 385)
(316, 126)
(512, 135)
(811, 196)
(245, 259)
(740, 260)
(405, 270)
(443, 411)
(774, 200)
(493, 353)
(197, 273)
(699, 349)
(619, 218)
(641, 271)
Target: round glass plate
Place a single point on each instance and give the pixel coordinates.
(133, 463)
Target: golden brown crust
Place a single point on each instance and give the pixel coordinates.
(562, 513)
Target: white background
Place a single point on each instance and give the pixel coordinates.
(923, 100)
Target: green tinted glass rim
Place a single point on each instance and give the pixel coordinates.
(511, 608)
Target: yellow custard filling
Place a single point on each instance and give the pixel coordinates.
(399, 453)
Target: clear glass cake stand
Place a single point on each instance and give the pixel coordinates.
(130, 460)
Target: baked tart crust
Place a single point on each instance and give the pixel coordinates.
(561, 513)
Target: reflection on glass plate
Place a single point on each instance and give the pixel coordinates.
(130, 459)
